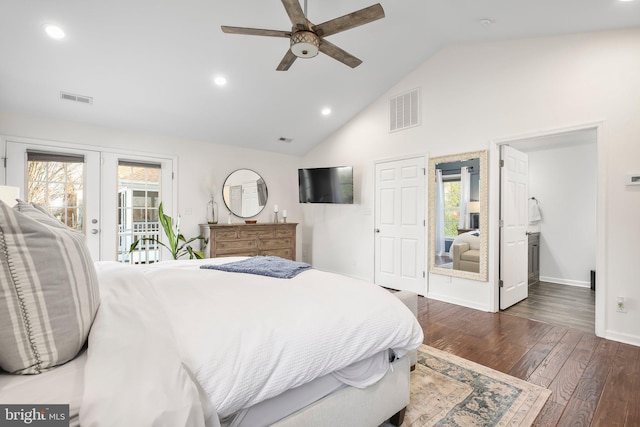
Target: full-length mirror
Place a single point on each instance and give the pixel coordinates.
(458, 215)
(245, 193)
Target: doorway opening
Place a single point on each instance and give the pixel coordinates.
(561, 236)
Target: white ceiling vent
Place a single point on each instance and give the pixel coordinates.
(77, 98)
(404, 111)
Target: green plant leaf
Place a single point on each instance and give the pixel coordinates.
(177, 244)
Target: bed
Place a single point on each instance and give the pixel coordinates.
(173, 344)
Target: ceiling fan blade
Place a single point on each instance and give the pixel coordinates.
(255, 31)
(286, 62)
(296, 15)
(338, 54)
(352, 20)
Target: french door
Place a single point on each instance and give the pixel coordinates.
(111, 197)
(62, 181)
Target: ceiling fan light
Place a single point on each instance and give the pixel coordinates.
(305, 44)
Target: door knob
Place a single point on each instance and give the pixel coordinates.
(94, 221)
(377, 230)
(94, 231)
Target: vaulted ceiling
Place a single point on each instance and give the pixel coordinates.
(150, 65)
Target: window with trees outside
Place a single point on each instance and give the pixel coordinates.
(56, 182)
(451, 206)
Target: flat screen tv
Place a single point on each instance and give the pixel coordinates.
(326, 185)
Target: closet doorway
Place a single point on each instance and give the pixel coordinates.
(562, 243)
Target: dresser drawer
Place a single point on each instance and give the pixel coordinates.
(240, 253)
(224, 235)
(280, 242)
(282, 253)
(243, 234)
(285, 232)
(235, 246)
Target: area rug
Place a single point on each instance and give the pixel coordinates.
(447, 390)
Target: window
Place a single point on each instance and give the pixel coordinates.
(56, 181)
(138, 202)
(451, 206)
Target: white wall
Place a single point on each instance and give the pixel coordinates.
(475, 94)
(200, 164)
(563, 180)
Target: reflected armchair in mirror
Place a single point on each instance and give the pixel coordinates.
(458, 215)
(466, 251)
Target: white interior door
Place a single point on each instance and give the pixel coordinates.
(400, 225)
(250, 203)
(86, 194)
(514, 216)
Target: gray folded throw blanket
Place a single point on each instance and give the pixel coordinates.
(271, 266)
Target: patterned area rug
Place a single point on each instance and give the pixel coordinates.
(447, 390)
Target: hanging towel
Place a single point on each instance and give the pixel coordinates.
(534, 211)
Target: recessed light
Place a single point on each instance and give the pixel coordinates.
(326, 111)
(486, 22)
(54, 32)
(220, 81)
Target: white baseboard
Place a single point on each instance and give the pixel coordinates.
(578, 283)
(458, 301)
(624, 338)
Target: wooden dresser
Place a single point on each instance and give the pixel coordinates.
(251, 239)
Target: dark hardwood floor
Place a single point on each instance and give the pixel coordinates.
(595, 382)
(564, 305)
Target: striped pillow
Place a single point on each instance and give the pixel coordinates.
(37, 212)
(48, 292)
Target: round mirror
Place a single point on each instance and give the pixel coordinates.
(245, 193)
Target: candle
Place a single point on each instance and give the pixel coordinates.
(284, 213)
(275, 208)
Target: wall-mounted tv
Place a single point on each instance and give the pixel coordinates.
(326, 185)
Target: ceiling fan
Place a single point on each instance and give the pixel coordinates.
(307, 38)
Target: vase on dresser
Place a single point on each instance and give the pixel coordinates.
(212, 211)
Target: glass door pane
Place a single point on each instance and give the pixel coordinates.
(56, 182)
(138, 202)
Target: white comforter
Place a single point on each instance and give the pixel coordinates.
(176, 345)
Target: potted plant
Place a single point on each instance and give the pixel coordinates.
(177, 245)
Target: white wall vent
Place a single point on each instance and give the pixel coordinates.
(77, 98)
(404, 111)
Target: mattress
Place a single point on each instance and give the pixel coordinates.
(64, 384)
(276, 408)
(61, 385)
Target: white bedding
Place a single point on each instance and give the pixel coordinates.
(206, 343)
(62, 385)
